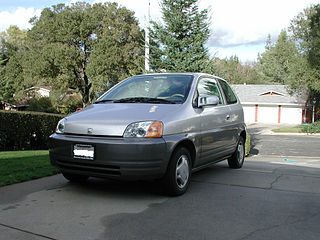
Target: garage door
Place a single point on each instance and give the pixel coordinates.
(267, 114)
(249, 113)
(292, 115)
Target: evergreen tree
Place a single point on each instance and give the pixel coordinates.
(305, 28)
(236, 72)
(277, 58)
(178, 45)
(314, 41)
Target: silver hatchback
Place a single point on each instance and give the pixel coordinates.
(155, 126)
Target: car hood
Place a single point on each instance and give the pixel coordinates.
(111, 119)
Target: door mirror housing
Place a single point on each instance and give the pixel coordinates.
(208, 101)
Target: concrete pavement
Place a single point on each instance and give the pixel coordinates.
(270, 197)
(276, 195)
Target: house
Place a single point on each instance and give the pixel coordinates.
(43, 91)
(273, 104)
(12, 107)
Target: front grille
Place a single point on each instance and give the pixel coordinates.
(89, 167)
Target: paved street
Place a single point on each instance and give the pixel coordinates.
(276, 195)
(264, 142)
(282, 145)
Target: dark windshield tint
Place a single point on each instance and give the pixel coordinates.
(171, 87)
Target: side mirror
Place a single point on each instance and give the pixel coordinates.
(208, 101)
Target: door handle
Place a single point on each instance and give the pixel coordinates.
(228, 117)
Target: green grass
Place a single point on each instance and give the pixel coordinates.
(305, 128)
(20, 166)
(248, 144)
(293, 129)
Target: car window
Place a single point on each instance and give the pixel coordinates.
(228, 93)
(208, 86)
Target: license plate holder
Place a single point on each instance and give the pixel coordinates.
(83, 151)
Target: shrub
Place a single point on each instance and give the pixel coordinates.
(73, 103)
(42, 104)
(26, 130)
(312, 128)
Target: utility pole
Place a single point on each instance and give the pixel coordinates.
(313, 109)
(147, 48)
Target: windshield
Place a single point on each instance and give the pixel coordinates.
(164, 89)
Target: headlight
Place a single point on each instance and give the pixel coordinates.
(149, 129)
(61, 126)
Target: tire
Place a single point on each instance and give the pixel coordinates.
(75, 177)
(177, 178)
(237, 158)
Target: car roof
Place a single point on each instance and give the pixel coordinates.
(196, 74)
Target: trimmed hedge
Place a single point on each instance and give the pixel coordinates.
(26, 130)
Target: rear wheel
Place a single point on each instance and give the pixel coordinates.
(75, 177)
(178, 175)
(237, 159)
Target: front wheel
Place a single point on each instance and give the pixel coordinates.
(178, 175)
(237, 159)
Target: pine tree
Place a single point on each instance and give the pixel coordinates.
(277, 58)
(305, 28)
(178, 45)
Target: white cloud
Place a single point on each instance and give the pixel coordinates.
(250, 21)
(236, 25)
(246, 53)
(19, 17)
(140, 8)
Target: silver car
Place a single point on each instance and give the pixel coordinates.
(155, 126)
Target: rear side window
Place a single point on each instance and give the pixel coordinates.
(229, 94)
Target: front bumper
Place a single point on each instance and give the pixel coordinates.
(114, 157)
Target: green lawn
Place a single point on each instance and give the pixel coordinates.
(304, 128)
(20, 166)
(293, 129)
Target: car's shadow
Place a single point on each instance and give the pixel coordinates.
(255, 133)
(135, 189)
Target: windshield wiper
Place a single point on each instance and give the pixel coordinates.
(103, 101)
(143, 100)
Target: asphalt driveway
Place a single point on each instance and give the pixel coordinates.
(271, 197)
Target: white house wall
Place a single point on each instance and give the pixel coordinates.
(44, 92)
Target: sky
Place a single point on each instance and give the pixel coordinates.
(238, 27)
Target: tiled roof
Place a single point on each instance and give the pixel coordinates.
(267, 94)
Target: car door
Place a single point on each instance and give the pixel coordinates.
(236, 113)
(214, 122)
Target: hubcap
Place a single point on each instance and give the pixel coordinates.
(182, 171)
(240, 152)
